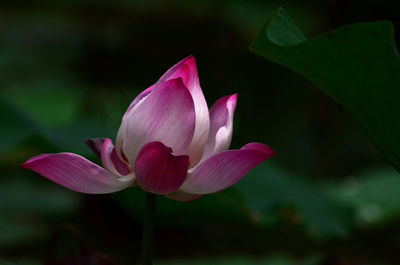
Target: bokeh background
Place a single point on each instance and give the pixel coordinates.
(70, 68)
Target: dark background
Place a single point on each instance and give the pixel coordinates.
(69, 69)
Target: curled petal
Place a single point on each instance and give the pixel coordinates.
(111, 161)
(225, 169)
(76, 173)
(158, 171)
(166, 115)
(119, 165)
(183, 196)
(221, 126)
(95, 144)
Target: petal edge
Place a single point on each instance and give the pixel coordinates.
(222, 170)
(221, 127)
(76, 173)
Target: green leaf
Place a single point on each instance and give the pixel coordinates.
(16, 125)
(357, 65)
(21, 125)
(52, 103)
(271, 192)
(15, 230)
(16, 195)
(24, 205)
(374, 194)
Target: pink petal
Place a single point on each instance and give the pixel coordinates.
(141, 96)
(122, 129)
(225, 169)
(76, 173)
(164, 77)
(166, 115)
(183, 196)
(95, 144)
(158, 171)
(111, 161)
(187, 70)
(221, 126)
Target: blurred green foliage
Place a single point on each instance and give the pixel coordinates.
(273, 260)
(69, 70)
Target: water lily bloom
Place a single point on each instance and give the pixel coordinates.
(168, 143)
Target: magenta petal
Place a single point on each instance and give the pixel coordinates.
(158, 171)
(187, 70)
(119, 165)
(183, 196)
(76, 173)
(225, 169)
(166, 115)
(221, 127)
(95, 144)
(172, 73)
(111, 161)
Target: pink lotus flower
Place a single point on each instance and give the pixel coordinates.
(169, 143)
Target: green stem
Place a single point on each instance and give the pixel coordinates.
(148, 226)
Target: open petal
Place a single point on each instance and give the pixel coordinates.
(221, 127)
(111, 161)
(187, 70)
(183, 196)
(166, 115)
(158, 171)
(225, 169)
(76, 173)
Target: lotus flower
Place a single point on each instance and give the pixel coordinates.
(168, 143)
